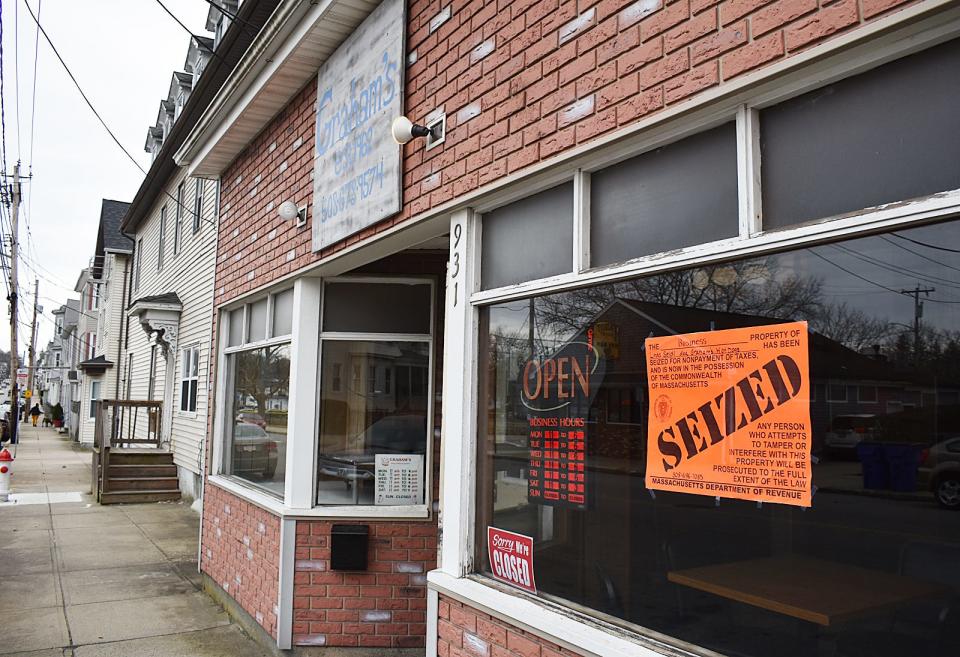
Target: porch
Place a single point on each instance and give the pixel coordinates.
(130, 463)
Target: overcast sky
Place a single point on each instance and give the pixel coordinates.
(123, 53)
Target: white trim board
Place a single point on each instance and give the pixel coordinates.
(554, 623)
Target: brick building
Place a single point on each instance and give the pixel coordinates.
(371, 454)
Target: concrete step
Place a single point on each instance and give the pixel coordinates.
(120, 484)
(138, 497)
(142, 470)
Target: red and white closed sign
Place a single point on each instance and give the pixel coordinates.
(511, 558)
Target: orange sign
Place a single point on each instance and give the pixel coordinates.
(730, 413)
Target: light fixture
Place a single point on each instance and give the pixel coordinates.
(289, 211)
(404, 130)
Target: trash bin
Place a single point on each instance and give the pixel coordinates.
(903, 460)
(876, 475)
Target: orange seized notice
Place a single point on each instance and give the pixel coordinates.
(730, 413)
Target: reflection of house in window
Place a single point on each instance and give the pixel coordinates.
(836, 392)
(336, 383)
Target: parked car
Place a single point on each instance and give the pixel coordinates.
(254, 452)
(848, 431)
(940, 472)
(249, 417)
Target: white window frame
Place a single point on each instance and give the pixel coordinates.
(186, 363)
(93, 397)
(197, 204)
(885, 39)
(233, 483)
(299, 500)
(178, 221)
(372, 511)
(162, 237)
(152, 372)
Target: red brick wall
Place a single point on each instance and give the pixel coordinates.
(520, 81)
(463, 631)
(385, 606)
(240, 551)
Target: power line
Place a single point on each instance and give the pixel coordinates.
(46, 37)
(3, 110)
(867, 280)
(231, 16)
(919, 255)
(929, 246)
(82, 94)
(16, 69)
(188, 31)
(33, 102)
(902, 271)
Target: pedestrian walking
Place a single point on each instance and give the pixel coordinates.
(35, 413)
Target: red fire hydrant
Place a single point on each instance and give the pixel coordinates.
(6, 464)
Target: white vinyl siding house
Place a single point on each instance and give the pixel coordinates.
(186, 280)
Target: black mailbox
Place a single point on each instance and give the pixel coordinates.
(348, 547)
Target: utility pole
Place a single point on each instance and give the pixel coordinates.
(14, 364)
(33, 338)
(917, 313)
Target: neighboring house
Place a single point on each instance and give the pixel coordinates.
(69, 394)
(172, 221)
(102, 305)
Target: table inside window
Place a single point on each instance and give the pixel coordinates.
(814, 590)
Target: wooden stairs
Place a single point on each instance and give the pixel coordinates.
(139, 475)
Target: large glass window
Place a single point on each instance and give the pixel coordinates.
(871, 568)
(258, 427)
(258, 378)
(375, 410)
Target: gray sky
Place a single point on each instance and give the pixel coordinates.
(123, 53)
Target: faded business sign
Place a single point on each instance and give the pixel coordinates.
(357, 162)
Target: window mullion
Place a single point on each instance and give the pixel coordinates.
(581, 221)
(748, 171)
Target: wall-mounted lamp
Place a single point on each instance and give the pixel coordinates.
(289, 211)
(404, 130)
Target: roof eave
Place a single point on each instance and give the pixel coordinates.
(267, 78)
(163, 166)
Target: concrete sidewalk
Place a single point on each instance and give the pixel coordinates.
(83, 580)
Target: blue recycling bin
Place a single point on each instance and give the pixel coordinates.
(903, 460)
(876, 475)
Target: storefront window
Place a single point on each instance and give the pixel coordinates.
(258, 377)
(871, 567)
(375, 410)
(381, 413)
(258, 432)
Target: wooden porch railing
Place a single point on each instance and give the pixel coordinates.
(122, 423)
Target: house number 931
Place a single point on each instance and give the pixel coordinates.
(455, 262)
